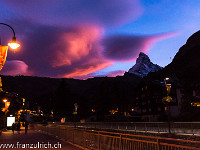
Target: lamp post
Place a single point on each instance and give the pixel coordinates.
(166, 100)
(3, 49)
(3, 54)
(5, 109)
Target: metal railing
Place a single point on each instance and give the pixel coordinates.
(154, 127)
(102, 140)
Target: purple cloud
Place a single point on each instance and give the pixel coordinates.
(68, 12)
(74, 51)
(14, 67)
(115, 73)
(110, 74)
(127, 47)
(60, 52)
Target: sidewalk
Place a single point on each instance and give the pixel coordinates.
(32, 140)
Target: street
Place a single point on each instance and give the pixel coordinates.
(32, 140)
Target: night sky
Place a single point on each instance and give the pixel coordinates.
(86, 38)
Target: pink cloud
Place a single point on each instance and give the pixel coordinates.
(81, 73)
(68, 12)
(72, 46)
(61, 52)
(14, 67)
(115, 73)
(110, 74)
(127, 47)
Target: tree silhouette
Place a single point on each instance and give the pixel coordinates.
(63, 100)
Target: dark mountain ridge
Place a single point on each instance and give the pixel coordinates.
(60, 95)
(185, 65)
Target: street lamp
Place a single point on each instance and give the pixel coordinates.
(13, 44)
(3, 55)
(166, 79)
(168, 88)
(5, 100)
(4, 49)
(5, 109)
(166, 100)
(7, 104)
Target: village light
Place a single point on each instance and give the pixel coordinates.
(5, 110)
(197, 104)
(5, 100)
(166, 78)
(7, 104)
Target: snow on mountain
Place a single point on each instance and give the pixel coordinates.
(143, 66)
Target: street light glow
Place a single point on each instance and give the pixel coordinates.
(13, 45)
(166, 78)
(5, 100)
(7, 104)
(197, 104)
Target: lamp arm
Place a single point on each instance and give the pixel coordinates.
(9, 27)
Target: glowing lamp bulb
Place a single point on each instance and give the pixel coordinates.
(5, 100)
(13, 45)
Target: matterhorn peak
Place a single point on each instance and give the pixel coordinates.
(142, 54)
(143, 66)
(143, 58)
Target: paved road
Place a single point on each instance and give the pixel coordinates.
(23, 141)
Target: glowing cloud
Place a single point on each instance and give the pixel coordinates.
(14, 67)
(115, 73)
(80, 73)
(75, 44)
(61, 52)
